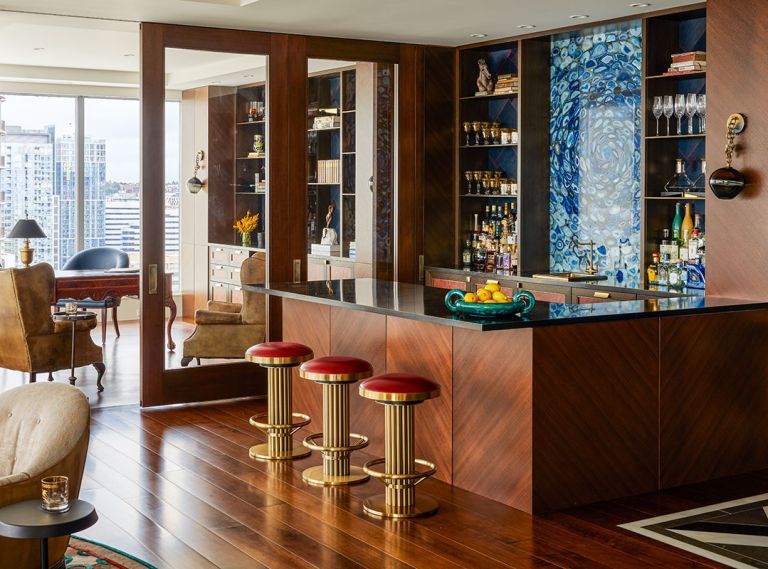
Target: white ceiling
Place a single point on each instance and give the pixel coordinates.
(443, 22)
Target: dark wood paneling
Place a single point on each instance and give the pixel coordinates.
(426, 349)
(215, 39)
(309, 324)
(410, 174)
(439, 169)
(714, 402)
(737, 48)
(595, 412)
(492, 417)
(241, 379)
(353, 50)
(152, 350)
(220, 159)
(362, 335)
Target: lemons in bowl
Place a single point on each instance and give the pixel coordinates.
(491, 293)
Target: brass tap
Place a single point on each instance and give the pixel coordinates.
(592, 262)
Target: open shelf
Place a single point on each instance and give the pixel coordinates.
(247, 123)
(675, 136)
(674, 198)
(488, 196)
(494, 96)
(685, 75)
(488, 145)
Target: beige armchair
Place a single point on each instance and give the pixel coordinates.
(30, 341)
(225, 330)
(43, 432)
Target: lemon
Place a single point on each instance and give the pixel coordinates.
(493, 287)
(470, 297)
(483, 294)
(499, 296)
(489, 301)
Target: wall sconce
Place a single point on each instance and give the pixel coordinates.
(195, 184)
(727, 183)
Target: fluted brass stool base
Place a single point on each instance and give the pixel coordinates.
(377, 506)
(315, 477)
(263, 452)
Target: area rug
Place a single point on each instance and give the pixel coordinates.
(85, 554)
(732, 533)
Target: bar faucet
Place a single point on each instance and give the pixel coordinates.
(592, 262)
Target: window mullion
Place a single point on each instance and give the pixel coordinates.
(80, 173)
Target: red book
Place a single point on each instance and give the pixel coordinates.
(689, 56)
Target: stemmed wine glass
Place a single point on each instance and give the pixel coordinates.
(701, 109)
(679, 110)
(658, 110)
(669, 109)
(690, 110)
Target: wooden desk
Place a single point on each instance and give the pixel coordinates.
(98, 285)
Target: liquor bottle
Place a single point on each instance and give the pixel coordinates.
(478, 260)
(466, 256)
(677, 223)
(700, 183)
(680, 183)
(687, 224)
(693, 246)
(653, 270)
(677, 275)
(662, 272)
(668, 246)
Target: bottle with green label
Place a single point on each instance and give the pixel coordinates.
(677, 224)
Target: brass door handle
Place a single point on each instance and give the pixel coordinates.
(602, 294)
(152, 276)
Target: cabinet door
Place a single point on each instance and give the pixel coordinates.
(591, 296)
(447, 281)
(236, 294)
(549, 293)
(219, 292)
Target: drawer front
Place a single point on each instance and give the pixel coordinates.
(219, 292)
(219, 255)
(236, 294)
(237, 256)
(589, 296)
(342, 271)
(220, 273)
(318, 270)
(448, 284)
(548, 295)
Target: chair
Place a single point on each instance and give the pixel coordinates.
(44, 428)
(30, 341)
(226, 330)
(98, 258)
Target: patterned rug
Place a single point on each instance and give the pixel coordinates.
(84, 554)
(732, 533)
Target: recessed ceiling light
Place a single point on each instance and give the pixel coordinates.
(639, 4)
(579, 17)
(478, 35)
(38, 49)
(129, 55)
(247, 75)
(526, 26)
(215, 82)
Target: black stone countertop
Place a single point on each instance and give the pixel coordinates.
(427, 304)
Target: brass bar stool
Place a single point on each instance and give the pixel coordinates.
(399, 393)
(335, 374)
(279, 358)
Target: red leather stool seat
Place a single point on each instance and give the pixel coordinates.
(399, 388)
(336, 369)
(278, 353)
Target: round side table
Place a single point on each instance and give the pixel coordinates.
(74, 319)
(27, 520)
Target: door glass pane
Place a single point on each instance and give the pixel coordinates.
(39, 175)
(350, 166)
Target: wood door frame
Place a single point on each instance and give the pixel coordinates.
(285, 220)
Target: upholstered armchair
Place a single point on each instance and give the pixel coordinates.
(225, 330)
(30, 341)
(43, 432)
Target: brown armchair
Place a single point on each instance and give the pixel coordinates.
(44, 432)
(225, 330)
(30, 341)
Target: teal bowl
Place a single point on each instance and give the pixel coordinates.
(522, 303)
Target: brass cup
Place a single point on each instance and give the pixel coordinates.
(467, 131)
(468, 176)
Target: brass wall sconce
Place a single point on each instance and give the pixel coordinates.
(195, 184)
(727, 183)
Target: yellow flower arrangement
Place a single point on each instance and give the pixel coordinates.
(247, 224)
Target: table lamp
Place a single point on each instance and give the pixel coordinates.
(26, 229)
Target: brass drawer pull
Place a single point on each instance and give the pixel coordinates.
(602, 294)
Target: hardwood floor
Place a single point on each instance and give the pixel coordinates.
(176, 487)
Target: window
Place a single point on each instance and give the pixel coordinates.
(39, 175)
(42, 176)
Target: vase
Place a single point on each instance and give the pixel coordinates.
(260, 240)
(246, 239)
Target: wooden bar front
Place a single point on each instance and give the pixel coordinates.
(550, 417)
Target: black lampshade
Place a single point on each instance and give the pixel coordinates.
(26, 229)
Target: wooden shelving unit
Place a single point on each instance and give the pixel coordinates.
(247, 167)
(527, 161)
(663, 36)
(332, 94)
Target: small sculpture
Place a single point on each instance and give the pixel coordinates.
(484, 79)
(329, 236)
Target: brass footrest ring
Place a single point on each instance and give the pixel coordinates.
(388, 478)
(310, 443)
(293, 427)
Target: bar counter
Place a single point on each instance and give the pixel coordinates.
(570, 405)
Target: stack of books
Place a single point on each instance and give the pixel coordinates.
(352, 250)
(688, 62)
(326, 250)
(506, 84)
(326, 123)
(328, 171)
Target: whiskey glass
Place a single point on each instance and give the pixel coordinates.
(679, 110)
(701, 109)
(690, 110)
(55, 494)
(669, 109)
(658, 110)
